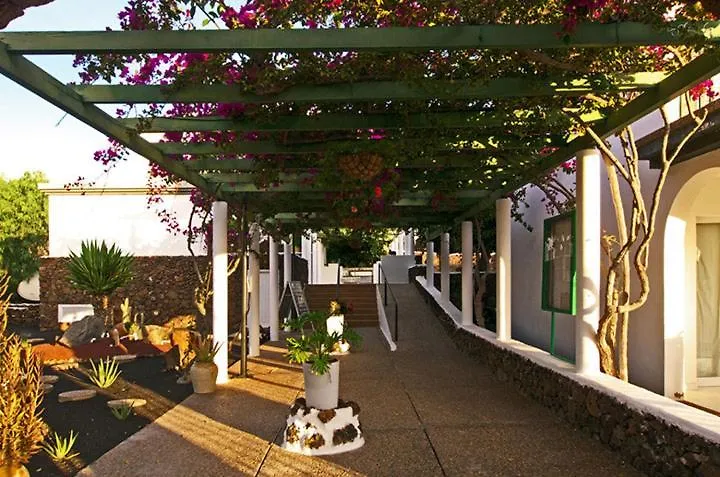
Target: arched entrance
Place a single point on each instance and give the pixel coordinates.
(691, 281)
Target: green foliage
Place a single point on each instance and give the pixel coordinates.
(99, 269)
(21, 428)
(60, 448)
(105, 373)
(123, 412)
(315, 344)
(23, 226)
(356, 248)
(205, 350)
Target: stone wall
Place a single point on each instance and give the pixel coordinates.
(652, 445)
(161, 288)
(25, 314)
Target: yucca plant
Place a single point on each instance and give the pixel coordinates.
(100, 270)
(105, 373)
(121, 413)
(21, 427)
(61, 448)
(315, 344)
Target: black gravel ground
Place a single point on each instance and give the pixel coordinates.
(98, 430)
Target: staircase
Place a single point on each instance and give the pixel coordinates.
(359, 297)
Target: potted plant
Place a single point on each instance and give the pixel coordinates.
(21, 428)
(204, 371)
(313, 349)
(100, 270)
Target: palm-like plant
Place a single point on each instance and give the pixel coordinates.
(315, 344)
(99, 270)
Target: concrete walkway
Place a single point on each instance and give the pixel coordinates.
(427, 410)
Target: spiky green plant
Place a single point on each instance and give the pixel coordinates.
(315, 344)
(61, 448)
(121, 413)
(21, 427)
(205, 350)
(105, 373)
(99, 270)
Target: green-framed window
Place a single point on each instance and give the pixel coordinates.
(559, 250)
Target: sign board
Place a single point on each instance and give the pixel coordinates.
(558, 280)
(297, 292)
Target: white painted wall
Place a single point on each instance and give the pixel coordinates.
(396, 267)
(119, 216)
(660, 326)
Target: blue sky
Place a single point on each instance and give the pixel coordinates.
(32, 135)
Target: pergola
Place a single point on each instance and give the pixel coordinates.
(461, 139)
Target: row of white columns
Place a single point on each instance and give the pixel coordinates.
(587, 359)
(220, 287)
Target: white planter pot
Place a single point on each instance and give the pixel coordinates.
(203, 377)
(321, 392)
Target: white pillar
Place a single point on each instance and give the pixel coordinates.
(220, 288)
(430, 264)
(254, 323)
(401, 243)
(273, 298)
(410, 247)
(445, 267)
(287, 263)
(503, 267)
(587, 315)
(306, 252)
(467, 273)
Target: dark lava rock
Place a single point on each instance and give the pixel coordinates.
(315, 441)
(326, 415)
(84, 331)
(344, 435)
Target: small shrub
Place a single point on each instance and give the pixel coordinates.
(123, 412)
(105, 373)
(61, 448)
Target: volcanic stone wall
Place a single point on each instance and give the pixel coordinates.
(161, 288)
(651, 444)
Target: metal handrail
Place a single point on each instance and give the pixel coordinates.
(387, 287)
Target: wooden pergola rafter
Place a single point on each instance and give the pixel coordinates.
(470, 166)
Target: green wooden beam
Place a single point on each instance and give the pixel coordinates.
(485, 142)
(339, 121)
(356, 39)
(33, 78)
(445, 161)
(699, 69)
(372, 90)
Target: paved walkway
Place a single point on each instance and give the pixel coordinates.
(427, 410)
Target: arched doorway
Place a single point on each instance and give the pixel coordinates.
(691, 281)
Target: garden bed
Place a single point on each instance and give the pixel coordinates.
(98, 430)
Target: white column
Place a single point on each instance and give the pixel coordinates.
(467, 273)
(503, 260)
(306, 252)
(254, 323)
(273, 298)
(430, 264)
(220, 288)
(587, 357)
(287, 263)
(445, 267)
(410, 247)
(401, 243)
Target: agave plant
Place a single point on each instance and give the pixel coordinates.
(205, 350)
(61, 448)
(315, 343)
(21, 427)
(100, 270)
(105, 373)
(121, 413)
